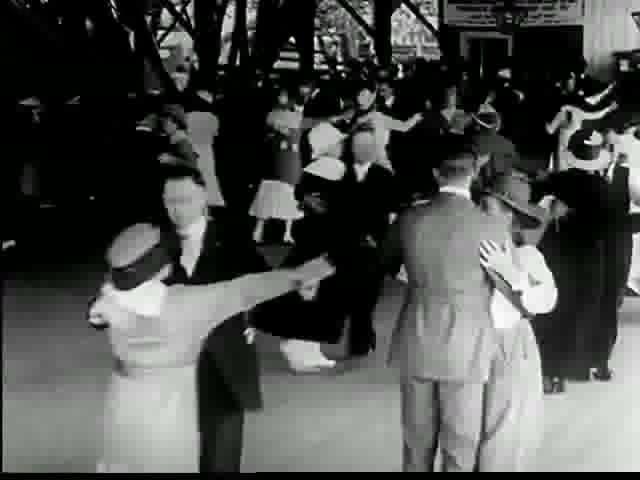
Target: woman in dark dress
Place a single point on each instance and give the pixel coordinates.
(317, 313)
(574, 248)
(618, 252)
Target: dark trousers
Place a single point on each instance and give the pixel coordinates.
(221, 423)
(361, 283)
(618, 254)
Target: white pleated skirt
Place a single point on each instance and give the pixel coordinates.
(275, 200)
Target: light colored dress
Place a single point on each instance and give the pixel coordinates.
(514, 410)
(382, 126)
(150, 422)
(203, 128)
(634, 276)
(630, 146)
(275, 198)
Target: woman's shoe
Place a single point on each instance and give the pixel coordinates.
(305, 357)
(604, 374)
(554, 386)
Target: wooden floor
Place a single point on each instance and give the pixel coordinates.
(55, 370)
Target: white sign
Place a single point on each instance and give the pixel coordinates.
(541, 13)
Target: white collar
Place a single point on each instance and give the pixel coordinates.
(361, 170)
(196, 229)
(146, 300)
(459, 191)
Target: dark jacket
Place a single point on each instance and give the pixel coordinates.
(228, 362)
(361, 209)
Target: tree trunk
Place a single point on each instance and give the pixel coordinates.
(305, 33)
(240, 37)
(134, 15)
(382, 12)
(208, 18)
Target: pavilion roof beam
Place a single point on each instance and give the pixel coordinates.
(422, 18)
(181, 15)
(357, 17)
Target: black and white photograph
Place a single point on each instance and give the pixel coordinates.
(313, 236)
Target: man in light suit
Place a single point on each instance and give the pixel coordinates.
(444, 342)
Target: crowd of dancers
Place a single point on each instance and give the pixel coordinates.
(515, 268)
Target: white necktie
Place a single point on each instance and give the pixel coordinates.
(190, 253)
(361, 172)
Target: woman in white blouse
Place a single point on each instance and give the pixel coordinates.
(525, 287)
(156, 333)
(383, 125)
(628, 147)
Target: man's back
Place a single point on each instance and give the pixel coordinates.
(445, 330)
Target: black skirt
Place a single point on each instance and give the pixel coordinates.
(321, 319)
(567, 337)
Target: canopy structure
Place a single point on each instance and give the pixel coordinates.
(131, 33)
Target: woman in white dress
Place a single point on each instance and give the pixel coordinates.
(275, 199)
(156, 332)
(367, 115)
(630, 146)
(203, 128)
(525, 287)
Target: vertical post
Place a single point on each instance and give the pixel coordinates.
(267, 18)
(208, 17)
(382, 12)
(305, 35)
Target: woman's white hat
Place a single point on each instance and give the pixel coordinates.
(587, 151)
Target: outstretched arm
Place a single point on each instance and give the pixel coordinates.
(394, 125)
(212, 304)
(597, 98)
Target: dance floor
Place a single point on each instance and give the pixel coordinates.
(55, 370)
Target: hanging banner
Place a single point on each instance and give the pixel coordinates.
(541, 13)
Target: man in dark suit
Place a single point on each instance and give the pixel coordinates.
(360, 210)
(618, 245)
(210, 250)
(497, 154)
(444, 342)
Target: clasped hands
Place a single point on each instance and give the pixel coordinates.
(309, 285)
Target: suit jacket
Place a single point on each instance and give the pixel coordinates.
(232, 361)
(444, 331)
(361, 209)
